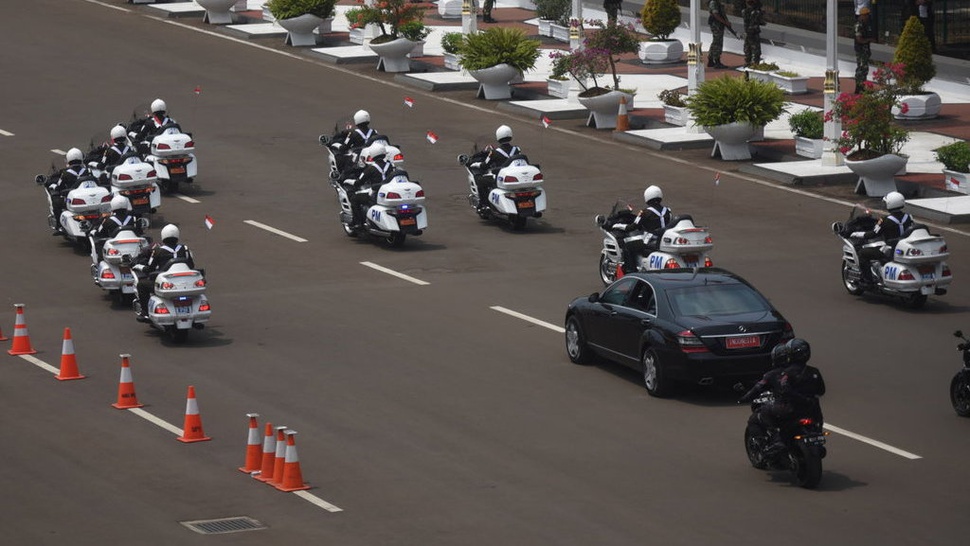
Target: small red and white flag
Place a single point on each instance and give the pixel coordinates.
(717, 178)
(197, 90)
(209, 222)
(546, 122)
(409, 102)
(432, 138)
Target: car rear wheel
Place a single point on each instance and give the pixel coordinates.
(576, 347)
(653, 374)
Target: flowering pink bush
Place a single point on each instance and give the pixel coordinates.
(868, 127)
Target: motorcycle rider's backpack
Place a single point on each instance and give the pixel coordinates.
(809, 381)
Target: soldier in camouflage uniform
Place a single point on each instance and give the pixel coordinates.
(754, 19)
(717, 21)
(863, 52)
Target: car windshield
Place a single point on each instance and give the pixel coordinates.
(716, 299)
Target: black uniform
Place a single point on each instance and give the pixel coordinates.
(115, 154)
(493, 162)
(155, 260)
(890, 229)
(370, 178)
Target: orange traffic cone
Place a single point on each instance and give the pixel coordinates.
(292, 477)
(3, 337)
(126, 387)
(269, 455)
(622, 118)
(254, 450)
(279, 459)
(68, 361)
(192, 430)
(21, 339)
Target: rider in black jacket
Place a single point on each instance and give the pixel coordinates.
(889, 229)
(156, 259)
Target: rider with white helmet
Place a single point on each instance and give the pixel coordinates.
(496, 158)
(152, 125)
(66, 180)
(120, 219)
(889, 229)
(653, 219)
(376, 171)
(117, 150)
(156, 260)
(360, 135)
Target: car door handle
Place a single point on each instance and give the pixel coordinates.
(645, 322)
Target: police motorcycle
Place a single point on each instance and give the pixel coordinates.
(137, 180)
(517, 192)
(111, 267)
(171, 151)
(804, 440)
(397, 212)
(911, 270)
(178, 302)
(341, 156)
(682, 245)
(960, 385)
(83, 207)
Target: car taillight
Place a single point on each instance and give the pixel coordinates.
(398, 157)
(204, 306)
(708, 240)
(805, 421)
(511, 179)
(689, 343)
(393, 195)
(538, 176)
(167, 286)
(671, 264)
(419, 194)
(681, 241)
(200, 283)
(77, 201)
(946, 271)
(112, 252)
(708, 262)
(161, 310)
(905, 275)
(190, 144)
(107, 274)
(124, 177)
(164, 146)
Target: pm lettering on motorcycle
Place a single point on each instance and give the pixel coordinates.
(891, 272)
(656, 262)
(375, 215)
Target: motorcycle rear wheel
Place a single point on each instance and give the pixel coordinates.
(806, 467)
(960, 394)
(605, 275)
(518, 222)
(754, 441)
(916, 301)
(395, 240)
(177, 335)
(851, 286)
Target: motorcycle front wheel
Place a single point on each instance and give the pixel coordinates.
(806, 466)
(960, 394)
(754, 441)
(351, 232)
(851, 286)
(606, 275)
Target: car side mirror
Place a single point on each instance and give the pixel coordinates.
(594, 297)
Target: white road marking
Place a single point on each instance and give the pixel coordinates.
(5, 133)
(186, 198)
(156, 421)
(383, 269)
(870, 441)
(313, 499)
(527, 318)
(276, 231)
(41, 364)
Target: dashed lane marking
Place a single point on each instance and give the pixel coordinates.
(527, 318)
(383, 269)
(186, 198)
(313, 499)
(40, 364)
(5, 133)
(279, 232)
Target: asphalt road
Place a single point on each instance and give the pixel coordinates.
(425, 415)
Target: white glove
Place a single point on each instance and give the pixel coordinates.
(621, 227)
(858, 234)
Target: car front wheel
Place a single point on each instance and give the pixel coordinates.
(653, 374)
(576, 346)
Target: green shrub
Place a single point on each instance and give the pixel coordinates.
(451, 42)
(728, 99)
(671, 97)
(807, 124)
(554, 10)
(660, 17)
(955, 157)
(916, 55)
(498, 45)
(414, 31)
(787, 73)
(764, 67)
(287, 9)
(613, 39)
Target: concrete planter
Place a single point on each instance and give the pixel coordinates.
(494, 81)
(809, 147)
(451, 61)
(758, 75)
(559, 88)
(545, 27)
(676, 115)
(449, 9)
(217, 11)
(924, 106)
(661, 52)
(299, 30)
(877, 175)
(603, 109)
(559, 33)
(955, 181)
(731, 140)
(365, 34)
(792, 85)
(393, 55)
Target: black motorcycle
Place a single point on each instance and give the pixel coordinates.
(960, 386)
(804, 441)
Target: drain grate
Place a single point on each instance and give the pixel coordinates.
(223, 525)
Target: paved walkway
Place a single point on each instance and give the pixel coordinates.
(775, 156)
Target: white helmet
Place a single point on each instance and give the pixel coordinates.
(170, 231)
(117, 132)
(894, 200)
(158, 105)
(74, 155)
(651, 193)
(504, 131)
(361, 116)
(375, 150)
(120, 202)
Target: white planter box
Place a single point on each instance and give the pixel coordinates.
(545, 28)
(559, 88)
(559, 33)
(957, 181)
(758, 75)
(451, 61)
(449, 9)
(809, 147)
(676, 115)
(661, 52)
(365, 34)
(794, 85)
(925, 106)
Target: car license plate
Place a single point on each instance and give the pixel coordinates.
(927, 272)
(743, 342)
(407, 221)
(816, 440)
(140, 201)
(526, 204)
(183, 309)
(177, 170)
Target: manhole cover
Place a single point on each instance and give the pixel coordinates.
(223, 525)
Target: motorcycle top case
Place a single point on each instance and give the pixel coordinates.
(172, 143)
(400, 191)
(88, 197)
(125, 243)
(686, 237)
(920, 247)
(179, 280)
(517, 175)
(133, 175)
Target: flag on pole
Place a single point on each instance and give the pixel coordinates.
(546, 122)
(717, 178)
(209, 222)
(432, 138)
(409, 102)
(197, 90)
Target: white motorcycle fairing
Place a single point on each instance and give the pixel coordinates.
(179, 302)
(398, 212)
(113, 272)
(683, 245)
(84, 206)
(518, 193)
(173, 156)
(137, 180)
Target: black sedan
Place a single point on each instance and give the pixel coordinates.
(681, 325)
